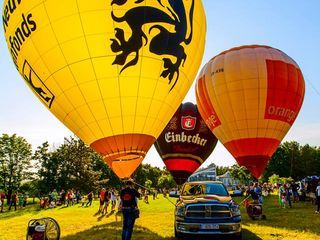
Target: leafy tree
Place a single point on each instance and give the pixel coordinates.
(15, 159)
(274, 178)
(222, 170)
(76, 166)
(295, 161)
(48, 168)
(166, 181)
(31, 188)
(107, 176)
(148, 184)
(241, 173)
(147, 172)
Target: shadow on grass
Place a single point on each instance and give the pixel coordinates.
(113, 231)
(247, 235)
(19, 212)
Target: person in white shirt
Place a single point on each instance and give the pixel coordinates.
(318, 197)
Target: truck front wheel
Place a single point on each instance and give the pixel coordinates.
(177, 235)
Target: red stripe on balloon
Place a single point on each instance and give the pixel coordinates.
(181, 164)
(285, 91)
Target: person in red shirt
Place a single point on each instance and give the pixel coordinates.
(128, 205)
(2, 198)
(101, 197)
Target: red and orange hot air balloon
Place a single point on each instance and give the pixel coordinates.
(185, 143)
(249, 97)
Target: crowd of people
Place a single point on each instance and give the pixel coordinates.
(107, 196)
(288, 193)
(65, 198)
(14, 201)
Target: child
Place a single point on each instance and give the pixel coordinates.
(83, 200)
(283, 200)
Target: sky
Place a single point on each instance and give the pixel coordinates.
(290, 25)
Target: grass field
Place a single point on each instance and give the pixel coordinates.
(156, 222)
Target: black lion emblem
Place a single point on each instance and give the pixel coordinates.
(164, 43)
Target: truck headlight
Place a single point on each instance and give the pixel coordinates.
(235, 210)
(180, 211)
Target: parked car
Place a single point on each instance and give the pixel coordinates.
(206, 208)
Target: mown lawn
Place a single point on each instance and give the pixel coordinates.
(156, 222)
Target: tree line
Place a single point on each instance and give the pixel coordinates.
(73, 165)
(291, 162)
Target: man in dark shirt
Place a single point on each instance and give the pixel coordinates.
(128, 206)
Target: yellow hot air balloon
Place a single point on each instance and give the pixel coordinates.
(114, 72)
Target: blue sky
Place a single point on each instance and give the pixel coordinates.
(289, 25)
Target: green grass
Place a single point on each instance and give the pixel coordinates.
(156, 222)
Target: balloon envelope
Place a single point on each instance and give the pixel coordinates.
(249, 97)
(113, 72)
(185, 143)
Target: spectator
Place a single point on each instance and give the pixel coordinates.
(287, 190)
(89, 197)
(101, 198)
(63, 197)
(281, 193)
(129, 209)
(25, 199)
(146, 196)
(2, 198)
(78, 196)
(295, 194)
(54, 196)
(318, 197)
(257, 189)
(113, 199)
(69, 198)
(20, 200)
(106, 201)
(13, 202)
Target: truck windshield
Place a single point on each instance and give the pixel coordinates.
(204, 189)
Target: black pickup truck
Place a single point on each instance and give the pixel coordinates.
(206, 209)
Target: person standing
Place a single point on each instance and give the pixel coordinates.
(2, 198)
(54, 196)
(14, 198)
(113, 199)
(281, 193)
(106, 201)
(287, 190)
(101, 197)
(318, 197)
(129, 207)
(89, 197)
(295, 188)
